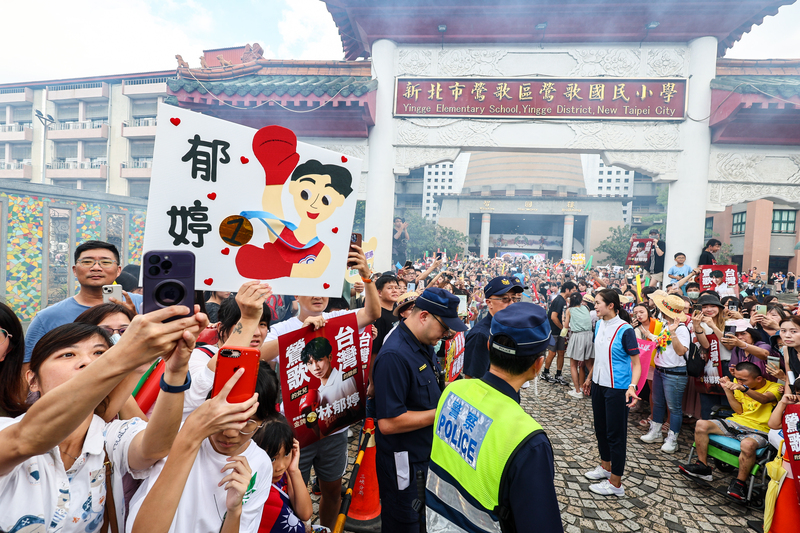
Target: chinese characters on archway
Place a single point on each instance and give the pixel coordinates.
(595, 98)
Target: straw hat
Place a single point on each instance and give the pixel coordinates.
(588, 298)
(403, 302)
(670, 304)
(656, 293)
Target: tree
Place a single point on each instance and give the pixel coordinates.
(426, 236)
(658, 221)
(616, 245)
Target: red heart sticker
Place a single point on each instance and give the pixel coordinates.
(244, 160)
(226, 251)
(175, 121)
(326, 285)
(344, 159)
(212, 196)
(335, 230)
(208, 281)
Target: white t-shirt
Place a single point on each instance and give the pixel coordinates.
(202, 505)
(723, 290)
(202, 380)
(668, 358)
(39, 495)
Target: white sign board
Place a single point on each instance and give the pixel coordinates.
(251, 204)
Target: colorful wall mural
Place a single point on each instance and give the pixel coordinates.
(64, 218)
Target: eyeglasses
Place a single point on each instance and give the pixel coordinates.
(5, 335)
(250, 427)
(508, 299)
(105, 263)
(111, 331)
(448, 333)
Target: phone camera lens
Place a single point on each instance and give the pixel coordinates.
(154, 270)
(166, 265)
(170, 293)
(154, 259)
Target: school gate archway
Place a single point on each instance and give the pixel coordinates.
(580, 40)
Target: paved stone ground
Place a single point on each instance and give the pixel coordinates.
(658, 498)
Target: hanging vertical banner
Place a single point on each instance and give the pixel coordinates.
(365, 351)
(250, 204)
(322, 382)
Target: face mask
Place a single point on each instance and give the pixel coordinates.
(115, 338)
(693, 295)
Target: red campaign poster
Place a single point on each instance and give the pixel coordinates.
(639, 253)
(727, 286)
(321, 380)
(365, 350)
(454, 356)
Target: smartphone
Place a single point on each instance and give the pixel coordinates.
(355, 240)
(112, 291)
(168, 279)
(229, 360)
(438, 255)
(774, 359)
(733, 306)
(729, 330)
(411, 287)
(408, 264)
(422, 285)
(761, 309)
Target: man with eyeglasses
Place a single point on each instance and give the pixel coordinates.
(406, 394)
(97, 263)
(500, 292)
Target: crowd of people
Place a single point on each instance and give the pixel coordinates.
(78, 453)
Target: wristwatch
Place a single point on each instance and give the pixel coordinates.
(180, 388)
(746, 388)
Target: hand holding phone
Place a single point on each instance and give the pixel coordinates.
(229, 360)
(168, 279)
(112, 291)
(355, 239)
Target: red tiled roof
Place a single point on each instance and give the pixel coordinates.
(758, 67)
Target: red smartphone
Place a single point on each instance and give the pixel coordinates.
(229, 360)
(355, 239)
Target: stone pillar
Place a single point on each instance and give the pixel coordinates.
(486, 222)
(688, 195)
(757, 235)
(380, 177)
(569, 227)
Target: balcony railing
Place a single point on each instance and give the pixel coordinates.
(15, 90)
(146, 81)
(75, 165)
(137, 164)
(74, 86)
(10, 128)
(139, 122)
(14, 165)
(85, 125)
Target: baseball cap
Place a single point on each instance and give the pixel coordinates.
(501, 285)
(443, 304)
(526, 324)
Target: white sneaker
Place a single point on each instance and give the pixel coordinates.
(526, 384)
(575, 394)
(598, 474)
(654, 435)
(605, 488)
(671, 443)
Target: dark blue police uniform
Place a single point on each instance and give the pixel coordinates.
(531, 493)
(405, 374)
(476, 351)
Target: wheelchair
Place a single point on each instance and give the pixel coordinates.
(725, 453)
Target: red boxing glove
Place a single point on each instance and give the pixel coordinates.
(309, 403)
(275, 147)
(262, 263)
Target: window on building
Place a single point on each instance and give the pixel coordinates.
(608, 188)
(436, 174)
(608, 173)
(617, 180)
(95, 152)
(66, 151)
(601, 164)
(627, 180)
(449, 186)
(451, 179)
(21, 152)
(67, 112)
(436, 180)
(22, 114)
(430, 173)
(618, 172)
(625, 189)
(144, 108)
(429, 186)
(142, 153)
(624, 211)
(97, 112)
(428, 194)
(739, 223)
(427, 201)
(451, 165)
(616, 188)
(627, 172)
(435, 166)
(783, 221)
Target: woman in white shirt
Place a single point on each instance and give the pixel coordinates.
(52, 458)
(670, 377)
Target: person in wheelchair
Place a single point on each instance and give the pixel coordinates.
(752, 398)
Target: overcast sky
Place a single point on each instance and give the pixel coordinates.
(53, 39)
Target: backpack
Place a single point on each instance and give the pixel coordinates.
(695, 364)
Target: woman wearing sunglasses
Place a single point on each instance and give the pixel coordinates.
(12, 352)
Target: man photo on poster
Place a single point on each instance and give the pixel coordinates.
(334, 389)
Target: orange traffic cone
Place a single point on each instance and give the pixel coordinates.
(364, 515)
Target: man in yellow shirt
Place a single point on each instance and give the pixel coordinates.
(752, 398)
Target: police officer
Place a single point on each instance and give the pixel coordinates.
(406, 393)
(491, 464)
(501, 292)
